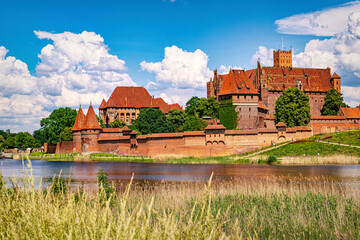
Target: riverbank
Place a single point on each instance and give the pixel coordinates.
(271, 209)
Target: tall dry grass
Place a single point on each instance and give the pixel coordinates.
(304, 208)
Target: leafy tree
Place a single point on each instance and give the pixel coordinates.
(117, 124)
(66, 134)
(10, 141)
(26, 140)
(4, 134)
(203, 107)
(333, 102)
(191, 106)
(178, 118)
(292, 108)
(2, 142)
(194, 123)
(101, 122)
(207, 107)
(39, 136)
(58, 120)
(152, 120)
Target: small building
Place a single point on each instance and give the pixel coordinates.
(125, 104)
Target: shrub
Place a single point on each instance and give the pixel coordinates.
(103, 183)
(271, 159)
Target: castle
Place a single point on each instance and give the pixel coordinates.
(254, 92)
(89, 137)
(125, 104)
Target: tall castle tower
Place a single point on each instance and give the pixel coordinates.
(283, 58)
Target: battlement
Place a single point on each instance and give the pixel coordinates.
(282, 58)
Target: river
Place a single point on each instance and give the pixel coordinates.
(86, 172)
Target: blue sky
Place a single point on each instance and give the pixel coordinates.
(133, 36)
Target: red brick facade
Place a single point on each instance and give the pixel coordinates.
(264, 85)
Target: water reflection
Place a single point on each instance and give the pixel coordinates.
(121, 171)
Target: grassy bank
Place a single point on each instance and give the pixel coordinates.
(231, 210)
(349, 137)
(313, 149)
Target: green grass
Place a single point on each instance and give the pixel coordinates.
(181, 211)
(349, 137)
(312, 149)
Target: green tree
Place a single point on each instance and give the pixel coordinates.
(66, 134)
(2, 142)
(58, 120)
(101, 122)
(194, 123)
(4, 134)
(292, 108)
(178, 118)
(117, 123)
(192, 105)
(10, 141)
(39, 136)
(152, 120)
(333, 102)
(26, 140)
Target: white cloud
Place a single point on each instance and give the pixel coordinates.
(153, 86)
(225, 69)
(327, 22)
(351, 95)
(181, 68)
(75, 69)
(265, 55)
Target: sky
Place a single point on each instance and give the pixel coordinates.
(69, 53)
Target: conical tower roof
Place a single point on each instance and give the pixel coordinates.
(335, 75)
(79, 120)
(103, 104)
(90, 121)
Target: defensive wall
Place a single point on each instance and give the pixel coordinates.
(214, 141)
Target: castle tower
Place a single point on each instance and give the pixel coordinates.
(76, 130)
(336, 82)
(283, 58)
(90, 131)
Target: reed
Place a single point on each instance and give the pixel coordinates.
(268, 208)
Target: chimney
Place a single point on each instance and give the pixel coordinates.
(132, 88)
(126, 101)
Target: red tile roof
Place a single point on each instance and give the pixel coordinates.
(79, 120)
(267, 130)
(328, 118)
(215, 127)
(303, 128)
(112, 130)
(251, 74)
(344, 125)
(237, 82)
(90, 121)
(351, 113)
(312, 79)
(103, 104)
(136, 97)
(280, 124)
(262, 105)
(335, 75)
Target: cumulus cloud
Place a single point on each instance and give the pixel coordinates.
(225, 69)
(75, 69)
(153, 86)
(341, 53)
(180, 68)
(327, 22)
(264, 54)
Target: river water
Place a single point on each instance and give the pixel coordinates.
(86, 172)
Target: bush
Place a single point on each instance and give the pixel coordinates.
(271, 159)
(103, 183)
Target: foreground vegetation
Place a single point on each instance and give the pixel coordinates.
(269, 209)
